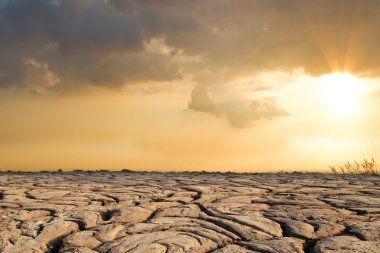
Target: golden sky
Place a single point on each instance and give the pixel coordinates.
(235, 85)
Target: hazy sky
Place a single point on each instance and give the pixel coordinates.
(240, 85)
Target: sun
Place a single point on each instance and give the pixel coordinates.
(340, 93)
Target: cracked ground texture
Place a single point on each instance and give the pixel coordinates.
(116, 212)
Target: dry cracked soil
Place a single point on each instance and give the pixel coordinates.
(114, 212)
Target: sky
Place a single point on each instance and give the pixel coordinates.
(215, 85)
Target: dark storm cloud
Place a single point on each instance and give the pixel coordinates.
(102, 42)
(82, 42)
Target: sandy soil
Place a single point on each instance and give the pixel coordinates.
(113, 212)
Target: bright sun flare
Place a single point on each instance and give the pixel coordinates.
(340, 93)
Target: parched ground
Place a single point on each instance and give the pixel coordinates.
(114, 212)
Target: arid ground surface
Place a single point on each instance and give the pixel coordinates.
(188, 212)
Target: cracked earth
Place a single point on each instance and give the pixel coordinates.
(114, 212)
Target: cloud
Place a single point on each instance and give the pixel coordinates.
(38, 77)
(84, 42)
(100, 42)
(113, 43)
(239, 113)
(201, 101)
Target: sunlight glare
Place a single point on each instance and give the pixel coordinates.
(340, 92)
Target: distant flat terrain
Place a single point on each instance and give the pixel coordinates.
(116, 212)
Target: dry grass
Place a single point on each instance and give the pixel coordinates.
(366, 167)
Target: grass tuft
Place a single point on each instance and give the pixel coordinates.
(366, 167)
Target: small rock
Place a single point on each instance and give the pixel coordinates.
(297, 228)
(346, 244)
(26, 244)
(30, 228)
(108, 232)
(369, 231)
(282, 245)
(70, 249)
(88, 218)
(233, 249)
(55, 230)
(261, 223)
(133, 214)
(82, 239)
